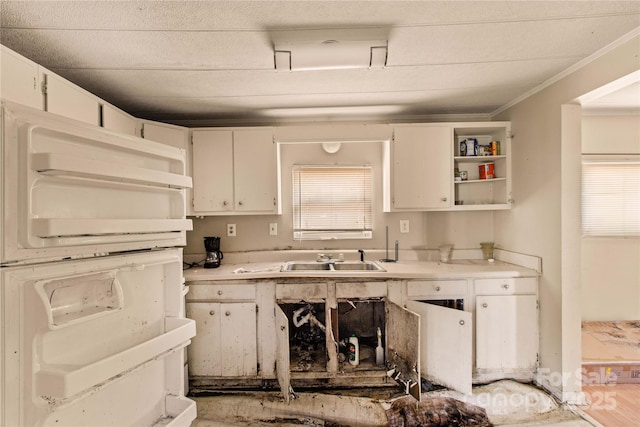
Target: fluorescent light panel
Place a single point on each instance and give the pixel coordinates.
(330, 55)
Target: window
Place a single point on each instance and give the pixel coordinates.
(332, 202)
(610, 196)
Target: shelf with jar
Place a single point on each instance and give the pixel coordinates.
(482, 166)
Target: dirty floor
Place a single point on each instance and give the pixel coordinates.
(507, 403)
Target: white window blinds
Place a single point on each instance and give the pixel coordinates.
(332, 202)
(610, 198)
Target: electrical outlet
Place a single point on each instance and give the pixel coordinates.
(231, 230)
(273, 229)
(404, 225)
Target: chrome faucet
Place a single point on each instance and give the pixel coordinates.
(361, 254)
(324, 257)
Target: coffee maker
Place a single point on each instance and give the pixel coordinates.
(214, 255)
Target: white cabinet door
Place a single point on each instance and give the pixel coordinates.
(403, 347)
(117, 120)
(20, 80)
(239, 344)
(163, 133)
(203, 352)
(212, 171)
(506, 332)
(255, 170)
(234, 170)
(68, 100)
(422, 167)
(445, 348)
(282, 352)
(226, 343)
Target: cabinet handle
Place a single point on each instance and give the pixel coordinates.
(485, 305)
(227, 313)
(240, 203)
(506, 286)
(211, 313)
(219, 292)
(437, 288)
(274, 201)
(444, 199)
(282, 328)
(461, 322)
(225, 203)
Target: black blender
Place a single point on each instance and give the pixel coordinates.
(214, 255)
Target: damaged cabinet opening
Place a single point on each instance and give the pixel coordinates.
(312, 344)
(333, 339)
(307, 340)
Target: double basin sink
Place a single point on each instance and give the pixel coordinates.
(368, 266)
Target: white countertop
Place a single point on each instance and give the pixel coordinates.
(410, 269)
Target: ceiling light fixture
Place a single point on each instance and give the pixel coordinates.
(330, 54)
(331, 147)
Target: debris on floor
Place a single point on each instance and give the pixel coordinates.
(435, 412)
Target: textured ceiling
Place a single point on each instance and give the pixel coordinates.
(211, 62)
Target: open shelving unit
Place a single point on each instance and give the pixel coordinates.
(483, 194)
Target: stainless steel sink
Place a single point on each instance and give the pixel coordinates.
(357, 266)
(306, 266)
(368, 266)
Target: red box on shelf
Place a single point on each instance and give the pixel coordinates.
(486, 171)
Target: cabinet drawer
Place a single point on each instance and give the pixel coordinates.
(301, 291)
(506, 286)
(212, 291)
(361, 290)
(429, 288)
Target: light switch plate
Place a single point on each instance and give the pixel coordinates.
(273, 229)
(404, 225)
(231, 230)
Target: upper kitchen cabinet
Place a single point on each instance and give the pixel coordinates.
(20, 79)
(235, 171)
(449, 167)
(117, 120)
(482, 166)
(164, 133)
(66, 99)
(421, 168)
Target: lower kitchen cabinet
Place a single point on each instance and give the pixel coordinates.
(428, 331)
(506, 335)
(226, 340)
(506, 327)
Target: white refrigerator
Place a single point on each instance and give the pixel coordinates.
(93, 326)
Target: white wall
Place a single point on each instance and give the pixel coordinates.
(533, 226)
(611, 134)
(610, 267)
